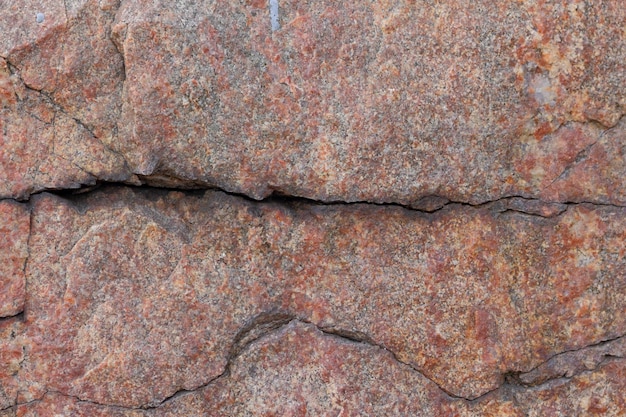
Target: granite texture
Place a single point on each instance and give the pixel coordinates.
(347, 378)
(391, 101)
(336, 376)
(14, 233)
(11, 357)
(135, 295)
(312, 208)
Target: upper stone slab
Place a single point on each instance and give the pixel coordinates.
(387, 101)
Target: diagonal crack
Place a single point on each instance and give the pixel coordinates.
(581, 156)
(570, 363)
(584, 153)
(48, 96)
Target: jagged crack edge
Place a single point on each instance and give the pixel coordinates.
(600, 343)
(67, 193)
(283, 319)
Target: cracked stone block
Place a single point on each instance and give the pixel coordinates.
(60, 91)
(372, 102)
(575, 362)
(444, 224)
(154, 291)
(392, 101)
(14, 232)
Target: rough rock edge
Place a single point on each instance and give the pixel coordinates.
(157, 179)
(268, 323)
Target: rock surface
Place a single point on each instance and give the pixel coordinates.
(14, 232)
(336, 376)
(135, 295)
(391, 101)
(443, 224)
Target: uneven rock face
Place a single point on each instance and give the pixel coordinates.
(443, 224)
(136, 295)
(387, 101)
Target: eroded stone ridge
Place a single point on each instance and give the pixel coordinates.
(135, 295)
(387, 101)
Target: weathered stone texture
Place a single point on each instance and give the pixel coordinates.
(387, 101)
(14, 232)
(55, 404)
(338, 377)
(298, 370)
(598, 393)
(332, 376)
(136, 295)
(60, 86)
(480, 270)
(11, 357)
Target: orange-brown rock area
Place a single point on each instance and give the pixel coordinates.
(302, 208)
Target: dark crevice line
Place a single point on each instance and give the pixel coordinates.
(564, 378)
(16, 316)
(282, 199)
(284, 319)
(357, 337)
(565, 352)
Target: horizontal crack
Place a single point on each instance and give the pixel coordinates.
(506, 204)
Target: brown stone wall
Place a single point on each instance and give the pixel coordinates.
(403, 208)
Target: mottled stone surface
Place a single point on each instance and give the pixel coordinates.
(488, 279)
(339, 377)
(11, 357)
(60, 89)
(297, 370)
(135, 295)
(391, 101)
(14, 231)
(55, 404)
(300, 371)
(599, 393)
(575, 362)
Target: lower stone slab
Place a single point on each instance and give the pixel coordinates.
(298, 370)
(134, 295)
